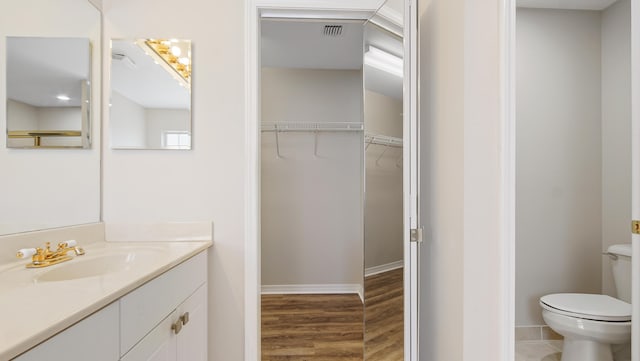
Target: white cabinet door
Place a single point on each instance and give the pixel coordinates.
(158, 345)
(188, 344)
(192, 340)
(95, 338)
(144, 307)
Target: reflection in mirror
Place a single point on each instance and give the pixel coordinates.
(48, 90)
(383, 222)
(150, 94)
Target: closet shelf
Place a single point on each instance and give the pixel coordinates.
(386, 140)
(312, 126)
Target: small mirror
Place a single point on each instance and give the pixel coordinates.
(150, 94)
(48, 92)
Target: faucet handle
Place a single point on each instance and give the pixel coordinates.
(26, 252)
(68, 244)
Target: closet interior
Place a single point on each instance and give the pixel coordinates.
(331, 190)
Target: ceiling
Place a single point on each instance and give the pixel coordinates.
(135, 75)
(288, 43)
(39, 69)
(301, 44)
(566, 4)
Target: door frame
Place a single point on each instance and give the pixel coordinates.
(333, 9)
(635, 176)
(509, 57)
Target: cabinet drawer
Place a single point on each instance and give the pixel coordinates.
(142, 309)
(94, 338)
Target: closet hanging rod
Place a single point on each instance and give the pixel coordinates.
(383, 140)
(312, 126)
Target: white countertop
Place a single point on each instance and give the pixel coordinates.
(34, 309)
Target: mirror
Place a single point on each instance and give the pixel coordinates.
(150, 94)
(383, 204)
(48, 90)
(50, 187)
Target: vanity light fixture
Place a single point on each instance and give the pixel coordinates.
(384, 61)
(169, 51)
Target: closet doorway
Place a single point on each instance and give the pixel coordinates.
(331, 190)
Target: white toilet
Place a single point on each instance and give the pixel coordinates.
(591, 323)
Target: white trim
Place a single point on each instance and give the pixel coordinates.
(252, 279)
(635, 177)
(351, 5)
(383, 268)
(389, 19)
(410, 180)
(252, 260)
(337, 288)
(508, 166)
(324, 14)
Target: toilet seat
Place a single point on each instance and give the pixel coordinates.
(587, 306)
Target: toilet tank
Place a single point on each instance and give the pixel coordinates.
(620, 260)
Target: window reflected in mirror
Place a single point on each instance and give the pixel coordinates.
(48, 92)
(150, 104)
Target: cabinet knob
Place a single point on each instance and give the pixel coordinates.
(185, 318)
(177, 326)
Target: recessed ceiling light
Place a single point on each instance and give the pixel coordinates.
(63, 97)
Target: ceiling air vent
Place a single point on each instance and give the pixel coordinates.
(332, 30)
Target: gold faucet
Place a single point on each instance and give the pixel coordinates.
(44, 257)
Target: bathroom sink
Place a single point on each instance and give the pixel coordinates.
(80, 267)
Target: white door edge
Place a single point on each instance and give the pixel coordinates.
(635, 175)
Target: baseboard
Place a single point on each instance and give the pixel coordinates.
(314, 289)
(383, 268)
(535, 333)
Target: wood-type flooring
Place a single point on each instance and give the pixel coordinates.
(313, 327)
(384, 316)
(321, 327)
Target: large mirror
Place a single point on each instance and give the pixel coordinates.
(150, 94)
(383, 202)
(48, 92)
(49, 187)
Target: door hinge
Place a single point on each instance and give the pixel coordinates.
(416, 234)
(635, 227)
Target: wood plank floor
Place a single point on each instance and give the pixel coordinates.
(384, 316)
(330, 327)
(312, 327)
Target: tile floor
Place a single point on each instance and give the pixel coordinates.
(547, 350)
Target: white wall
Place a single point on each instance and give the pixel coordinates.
(206, 183)
(71, 194)
(66, 118)
(616, 130)
(127, 119)
(23, 116)
(558, 164)
(312, 216)
(383, 190)
(159, 121)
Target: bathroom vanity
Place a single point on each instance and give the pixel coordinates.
(120, 301)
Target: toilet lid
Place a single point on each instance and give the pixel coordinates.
(588, 306)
